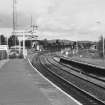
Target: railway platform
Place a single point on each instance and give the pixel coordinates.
(92, 61)
(20, 84)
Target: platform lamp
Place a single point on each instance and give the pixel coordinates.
(103, 44)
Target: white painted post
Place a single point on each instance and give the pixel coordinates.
(103, 47)
(19, 46)
(7, 49)
(24, 44)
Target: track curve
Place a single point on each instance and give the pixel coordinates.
(56, 75)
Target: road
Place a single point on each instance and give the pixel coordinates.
(21, 85)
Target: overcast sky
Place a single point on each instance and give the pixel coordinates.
(64, 19)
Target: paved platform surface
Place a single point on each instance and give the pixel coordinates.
(20, 84)
(3, 62)
(93, 61)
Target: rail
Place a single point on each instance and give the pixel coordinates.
(46, 69)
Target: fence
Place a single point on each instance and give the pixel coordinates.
(3, 54)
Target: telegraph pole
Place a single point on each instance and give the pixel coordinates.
(33, 29)
(14, 19)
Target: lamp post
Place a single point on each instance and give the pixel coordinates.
(103, 47)
(103, 42)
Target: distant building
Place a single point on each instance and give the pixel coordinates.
(93, 47)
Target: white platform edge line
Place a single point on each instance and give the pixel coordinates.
(54, 85)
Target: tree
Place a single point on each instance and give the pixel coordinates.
(45, 43)
(13, 41)
(3, 40)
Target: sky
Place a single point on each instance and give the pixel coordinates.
(57, 19)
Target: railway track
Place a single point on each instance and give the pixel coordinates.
(90, 80)
(92, 76)
(69, 82)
